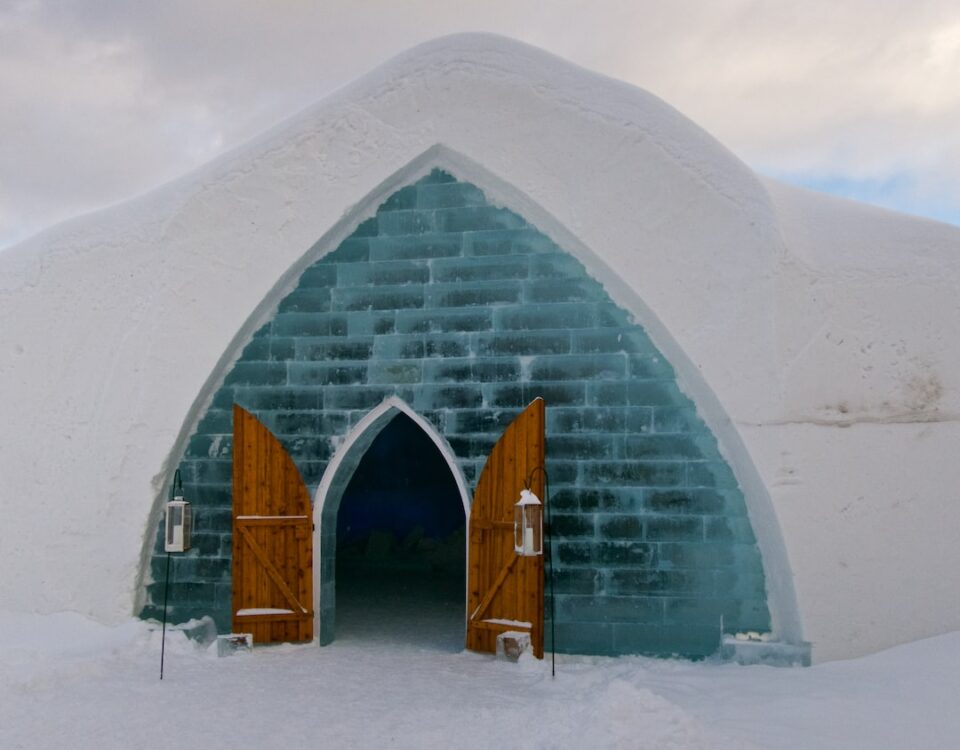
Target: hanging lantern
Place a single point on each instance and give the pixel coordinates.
(528, 525)
(179, 520)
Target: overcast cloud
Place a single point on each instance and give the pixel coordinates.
(104, 99)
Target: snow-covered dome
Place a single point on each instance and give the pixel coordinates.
(816, 337)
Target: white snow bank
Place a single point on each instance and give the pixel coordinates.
(43, 651)
(377, 694)
(62, 635)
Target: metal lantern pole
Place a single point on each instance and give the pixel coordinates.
(176, 485)
(163, 638)
(549, 559)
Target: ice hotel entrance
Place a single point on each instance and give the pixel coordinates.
(391, 526)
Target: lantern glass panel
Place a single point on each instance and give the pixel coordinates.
(528, 525)
(179, 525)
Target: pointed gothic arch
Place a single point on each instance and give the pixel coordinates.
(330, 493)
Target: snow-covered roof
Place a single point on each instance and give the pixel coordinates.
(817, 336)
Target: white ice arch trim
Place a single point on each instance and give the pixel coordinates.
(339, 471)
(620, 285)
(364, 433)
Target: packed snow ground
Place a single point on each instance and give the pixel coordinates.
(68, 682)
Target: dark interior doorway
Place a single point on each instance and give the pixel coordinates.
(401, 546)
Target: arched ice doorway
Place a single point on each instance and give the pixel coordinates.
(391, 549)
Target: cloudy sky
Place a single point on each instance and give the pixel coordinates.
(104, 99)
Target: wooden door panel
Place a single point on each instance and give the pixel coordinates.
(504, 590)
(272, 538)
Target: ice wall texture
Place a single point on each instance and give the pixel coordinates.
(466, 312)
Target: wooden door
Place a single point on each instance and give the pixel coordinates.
(505, 590)
(272, 538)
